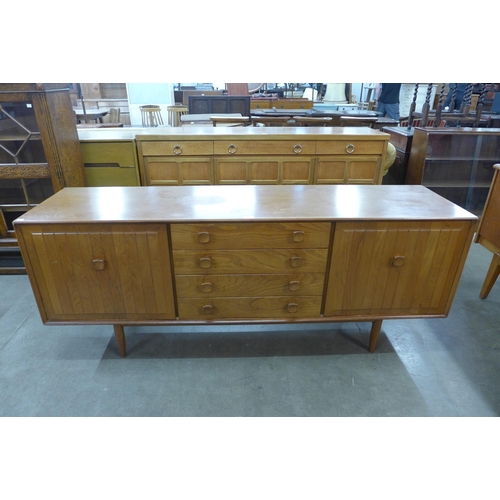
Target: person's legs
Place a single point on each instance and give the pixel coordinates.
(392, 111)
(381, 108)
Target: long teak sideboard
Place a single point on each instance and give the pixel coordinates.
(261, 155)
(242, 254)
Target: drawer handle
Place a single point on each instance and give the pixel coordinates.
(398, 260)
(205, 262)
(298, 236)
(203, 237)
(231, 149)
(296, 261)
(207, 309)
(297, 149)
(292, 307)
(207, 287)
(349, 149)
(294, 286)
(99, 264)
(177, 149)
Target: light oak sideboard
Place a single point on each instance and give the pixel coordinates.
(241, 254)
(261, 155)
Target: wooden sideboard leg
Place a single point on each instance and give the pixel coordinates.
(376, 326)
(491, 276)
(120, 340)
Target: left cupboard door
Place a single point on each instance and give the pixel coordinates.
(99, 272)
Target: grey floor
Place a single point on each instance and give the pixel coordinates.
(422, 367)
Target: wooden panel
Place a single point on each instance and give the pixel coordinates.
(250, 261)
(363, 171)
(249, 285)
(250, 235)
(297, 147)
(358, 147)
(394, 268)
(488, 232)
(178, 171)
(250, 308)
(109, 152)
(348, 170)
(177, 148)
(95, 272)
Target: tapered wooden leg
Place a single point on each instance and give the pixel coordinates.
(375, 332)
(120, 340)
(491, 276)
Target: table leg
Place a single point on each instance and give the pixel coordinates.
(375, 332)
(491, 276)
(120, 340)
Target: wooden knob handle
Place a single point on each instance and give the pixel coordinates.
(207, 309)
(294, 286)
(292, 307)
(203, 237)
(205, 262)
(298, 236)
(207, 287)
(296, 261)
(398, 260)
(99, 264)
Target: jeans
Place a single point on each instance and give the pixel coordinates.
(390, 110)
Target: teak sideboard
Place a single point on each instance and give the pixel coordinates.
(261, 155)
(242, 254)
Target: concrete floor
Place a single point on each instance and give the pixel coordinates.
(422, 367)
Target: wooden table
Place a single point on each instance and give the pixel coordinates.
(205, 255)
(95, 114)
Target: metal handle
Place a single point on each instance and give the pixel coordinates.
(297, 149)
(177, 149)
(349, 149)
(231, 149)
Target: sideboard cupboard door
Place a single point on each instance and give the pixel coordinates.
(396, 268)
(101, 273)
(178, 171)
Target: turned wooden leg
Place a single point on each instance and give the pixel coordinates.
(120, 340)
(375, 332)
(491, 276)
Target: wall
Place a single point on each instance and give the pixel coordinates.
(161, 94)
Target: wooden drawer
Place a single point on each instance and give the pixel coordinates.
(250, 308)
(121, 153)
(250, 261)
(350, 147)
(177, 148)
(247, 285)
(251, 235)
(238, 147)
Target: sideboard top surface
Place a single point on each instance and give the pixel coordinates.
(243, 203)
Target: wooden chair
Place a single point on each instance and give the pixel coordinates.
(151, 115)
(174, 114)
(270, 121)
(312, 121)
(358, 121)
(230, 121)
(114, 119)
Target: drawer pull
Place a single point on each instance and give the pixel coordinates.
(349, 149)
(99, 264)
(297, 149)
(298, 236)
(203, 237)
(207, 287)
(398, 260)
(207, 309)
(177, 149)
(294, 286)
(231, 149)
(205, 262)
(292, 307)
(296, 261)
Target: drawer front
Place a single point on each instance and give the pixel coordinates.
(121, 153)
(250, 308)
(177, 148)
(355, 147)
(239, 147)
(251, 235)
(247, 285)
(250, 261)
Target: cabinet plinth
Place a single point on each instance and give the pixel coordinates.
(242, 254)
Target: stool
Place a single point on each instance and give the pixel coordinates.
(174, 114)
(151, 115)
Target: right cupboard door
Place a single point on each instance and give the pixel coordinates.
(396, 268)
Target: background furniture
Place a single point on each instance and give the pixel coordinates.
(457, 163)
(312, 121)
(234, 121)
(151, 115)
(219, 104)
(39, 154)
(357, 121)
(401, 138)
(175, 114)
(488, 232)
(261, 155)
(271, 121)
(245, 254)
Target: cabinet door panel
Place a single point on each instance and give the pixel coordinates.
(102, 273)
(348, 170)
(178, 171)
(394, 268)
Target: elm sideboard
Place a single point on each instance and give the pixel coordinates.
(244, 254)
